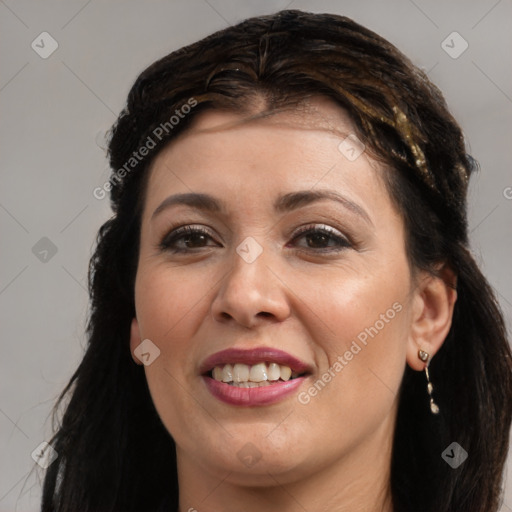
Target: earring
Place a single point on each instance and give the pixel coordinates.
(425, 357)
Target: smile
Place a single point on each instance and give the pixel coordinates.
(260, 376)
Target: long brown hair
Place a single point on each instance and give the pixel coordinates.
(114, 452)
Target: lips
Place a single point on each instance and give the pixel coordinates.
(258, 376)
(251, 357)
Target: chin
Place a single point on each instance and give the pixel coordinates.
(254, 456)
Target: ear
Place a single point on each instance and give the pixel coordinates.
(135, 340)
(432, 312)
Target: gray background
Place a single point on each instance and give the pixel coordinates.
(54, 113)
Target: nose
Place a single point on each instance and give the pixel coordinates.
(251, 293)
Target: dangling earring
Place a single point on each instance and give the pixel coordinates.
(425, 357)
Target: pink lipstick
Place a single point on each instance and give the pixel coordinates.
(252, 377)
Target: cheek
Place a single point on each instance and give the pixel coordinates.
(361, 354)
(364, 314)
(169, 306)
(165, 300)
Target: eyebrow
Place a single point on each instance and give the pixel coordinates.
(285, 203)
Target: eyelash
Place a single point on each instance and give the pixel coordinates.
(178, 234)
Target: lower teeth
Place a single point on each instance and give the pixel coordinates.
(251, 384)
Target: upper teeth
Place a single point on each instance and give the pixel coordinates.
(256, 373)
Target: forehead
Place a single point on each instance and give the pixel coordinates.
(253, 156)
(318, 113)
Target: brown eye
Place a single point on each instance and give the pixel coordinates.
(325, 239)
(186, 239)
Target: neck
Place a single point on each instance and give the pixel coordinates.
(357, 482)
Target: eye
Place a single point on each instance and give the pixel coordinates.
(190, 238)
(318, 239)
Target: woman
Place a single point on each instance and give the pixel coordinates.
(285, 314)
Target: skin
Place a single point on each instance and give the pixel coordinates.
(332, 453)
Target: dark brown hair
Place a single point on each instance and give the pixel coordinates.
(402, 118)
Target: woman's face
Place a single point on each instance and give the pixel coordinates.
(301, 267)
